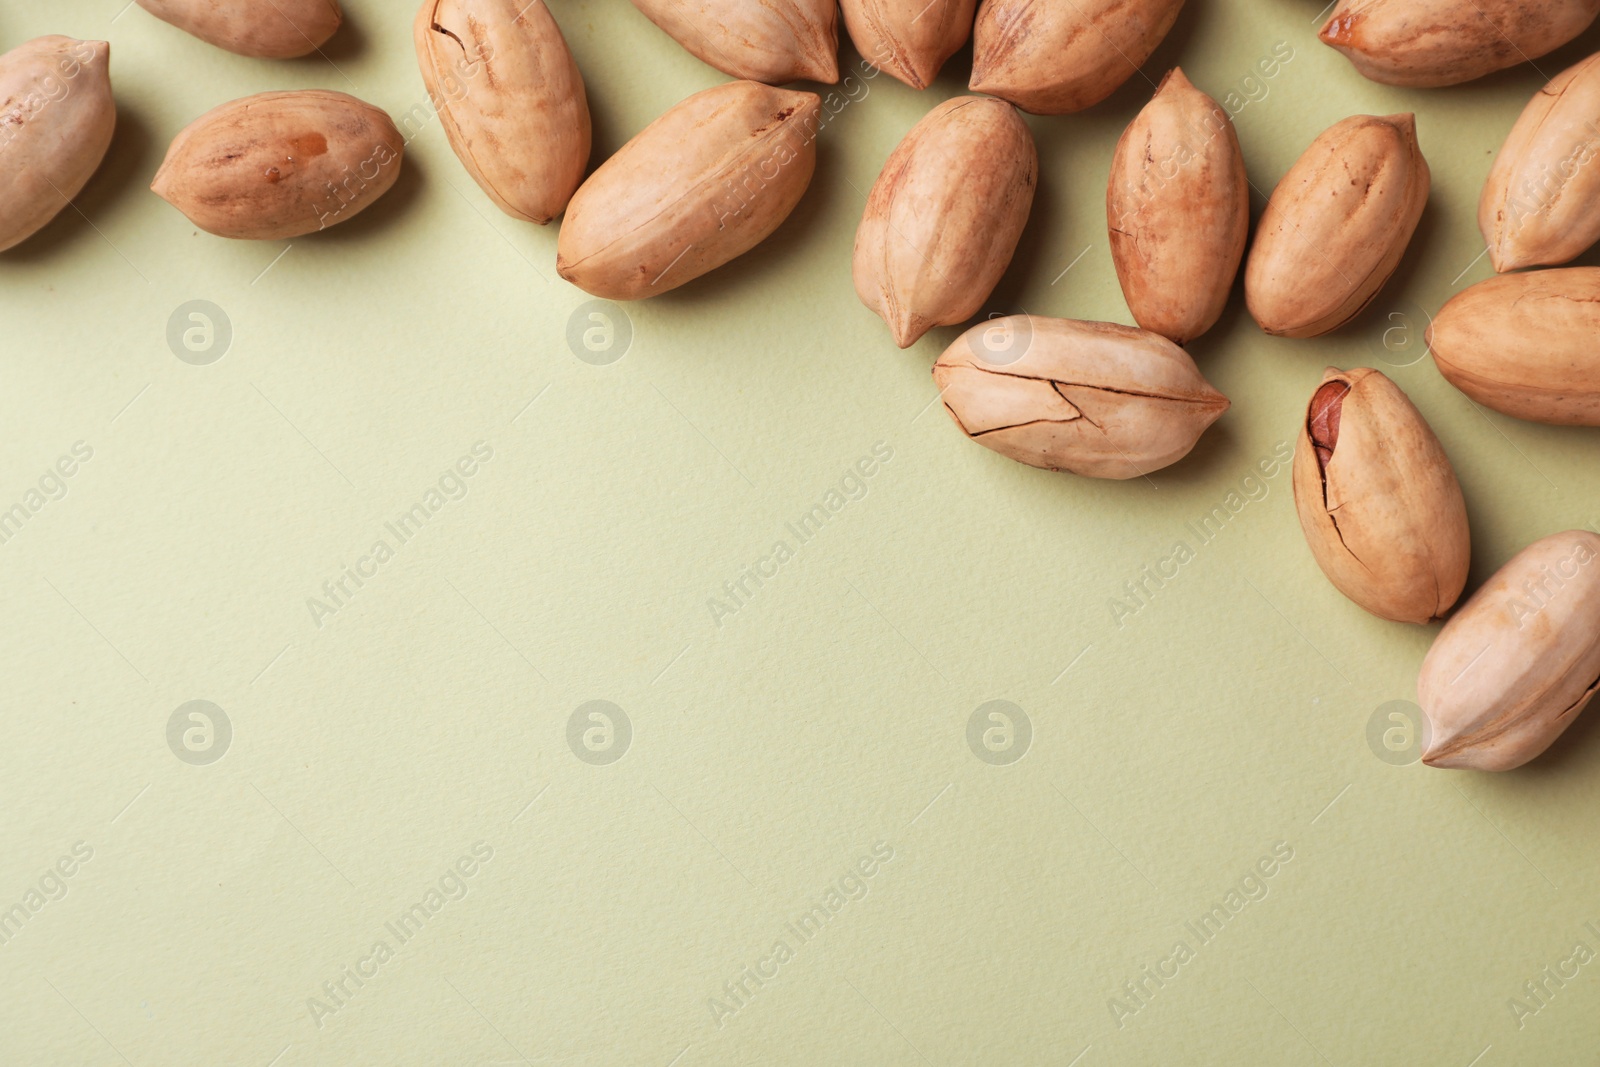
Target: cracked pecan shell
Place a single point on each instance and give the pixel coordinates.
(944, 216)
(1094, 398)
(1178, 207)
(1378, 500)
(1336, 226)
(1514, 666)
(510, 98)
(1524, 344)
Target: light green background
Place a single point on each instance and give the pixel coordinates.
(768, 753)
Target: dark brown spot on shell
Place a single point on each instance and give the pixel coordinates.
(307, 144)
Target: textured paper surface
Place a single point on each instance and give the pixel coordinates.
(765, 752)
